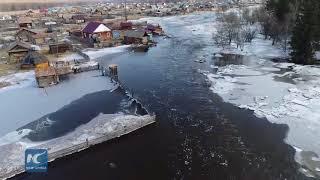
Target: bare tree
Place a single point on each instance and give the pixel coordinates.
(231, 25)
(249, 33)
(220, 38)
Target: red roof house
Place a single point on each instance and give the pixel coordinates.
(97, 30)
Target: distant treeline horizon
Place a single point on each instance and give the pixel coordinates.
(6, 7)
(20, 6)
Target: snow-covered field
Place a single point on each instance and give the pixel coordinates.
(107, 126)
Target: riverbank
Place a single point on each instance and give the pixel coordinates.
(284, 93)
(100, 129)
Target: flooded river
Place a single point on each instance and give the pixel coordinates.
(197, 135)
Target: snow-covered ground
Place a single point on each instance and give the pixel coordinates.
(94, 54)
(71, 57)
(17, 80)
(105, 125)
(284, 93)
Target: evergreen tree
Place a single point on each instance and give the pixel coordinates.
(317, 26)
(303, 37)
(279, 8)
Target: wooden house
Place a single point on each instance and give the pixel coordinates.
(154, 29)
(60, 47)
(18, 50)
(31, 36)
(78, 18)
(135, 37)
(25, 22)
(32, 59)
(125, 25)
(97, 30)
(51, 73)
(46, 76)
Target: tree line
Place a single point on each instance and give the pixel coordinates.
(302, 17)
(292, 24)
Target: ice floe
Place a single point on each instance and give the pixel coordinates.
(290, 95)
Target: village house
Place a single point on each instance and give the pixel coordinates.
(32, 59)
(46, 76)
(154, 29)
(60, 47)
(25, 22)
(125, 25)
(31, 36)
(135, 37)
(50, 73)
(19, 49)
(66, 18)
(97, 31)
(78, 18)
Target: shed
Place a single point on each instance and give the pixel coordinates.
(19, 49)
(125, 25)
(60, 47)
(46, 76)
(25, 22)
(78, 18)
(32, 59)
(135, 37)
(30, 35)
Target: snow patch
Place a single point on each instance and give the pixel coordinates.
(18, 80)
(94, 54)
(71, 58)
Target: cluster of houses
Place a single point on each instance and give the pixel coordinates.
(39, 38)
(33, 39)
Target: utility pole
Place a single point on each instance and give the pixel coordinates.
(125, 10)
(57, 44)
